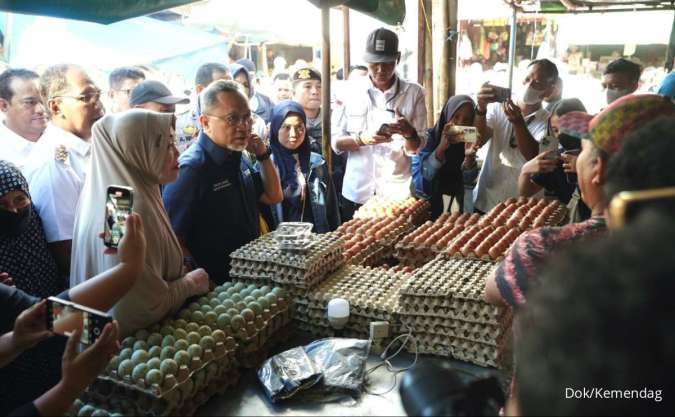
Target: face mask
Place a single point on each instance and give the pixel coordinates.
(13, 224)
(530, 96)
(614, 94)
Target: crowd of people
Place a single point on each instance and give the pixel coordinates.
(238, 163)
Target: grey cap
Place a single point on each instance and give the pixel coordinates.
(381, 46)
(153, 91)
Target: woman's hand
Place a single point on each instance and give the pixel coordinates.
(131, 250)
(544, 162)
(199, 279)
(6, 279)
(30, 328)
(569, 162)
(80, 370)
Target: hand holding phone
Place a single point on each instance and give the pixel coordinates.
(119, 202)
(65, 318)
(491, 93)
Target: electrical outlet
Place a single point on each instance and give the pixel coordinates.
(379, 330)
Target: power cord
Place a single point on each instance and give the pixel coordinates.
(387, 358)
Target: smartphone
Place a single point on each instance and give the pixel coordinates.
(469, 133)
(64, 317)
(118, 205)
(571, 177)
(384, 130)
(626, 205)
(501, 93)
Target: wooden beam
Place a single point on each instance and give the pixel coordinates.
(325, 88)
(346, 60)
(421, 35)
(452, 44)
(428, 64)
(444, 70)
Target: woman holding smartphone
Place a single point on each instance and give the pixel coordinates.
(135, 149)
(437, 169)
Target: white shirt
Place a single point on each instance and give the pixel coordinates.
(383, 168)
(498, 179)
(15, 149)
(55, 177)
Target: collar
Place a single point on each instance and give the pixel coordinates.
(13, 139)
(396, 87)
(71, 142)
(219, 155)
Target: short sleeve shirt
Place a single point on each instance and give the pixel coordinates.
(15, 148)
(498, 179)
(520, 270)
(213, 204)
(56, 175)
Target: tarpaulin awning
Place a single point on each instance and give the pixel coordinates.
(109, 11)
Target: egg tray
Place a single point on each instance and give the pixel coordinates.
(253, 357)
(481, 333)
(381, 206)
(449, 278)
(385, 231)
(356, 322)
(112, 401)
(526, 213)
(296, 294)
(479, 354)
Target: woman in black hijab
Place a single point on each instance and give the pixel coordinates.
(24, 255)
(437, 169)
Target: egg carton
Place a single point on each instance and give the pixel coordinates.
(466, 311)
(356, 321)
(113, 401)
(297, 294)
(493, 335)
(385, 231)
(381, 206)
(461, 349)
(526, 213)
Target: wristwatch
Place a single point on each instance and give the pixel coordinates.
(358, 139)
(264, 156)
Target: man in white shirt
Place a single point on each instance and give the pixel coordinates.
(25, 115)
(516, 134)
(57, 172)
(122, 80)
(380, 125)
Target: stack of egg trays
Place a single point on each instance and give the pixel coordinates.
(262, 259)
(372, 294)
(443, 304)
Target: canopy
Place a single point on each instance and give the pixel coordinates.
(109, 11)
(142, 40)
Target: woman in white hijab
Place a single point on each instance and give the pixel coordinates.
(135, 149)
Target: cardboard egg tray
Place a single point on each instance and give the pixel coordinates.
(525, 213)
(263, 260)
(465, 350)
(485, 333)
(414, 210)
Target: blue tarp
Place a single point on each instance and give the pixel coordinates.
(37, 41)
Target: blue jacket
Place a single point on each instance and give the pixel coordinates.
(322, 197)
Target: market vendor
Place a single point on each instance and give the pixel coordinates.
(379, 160)
(213, 204)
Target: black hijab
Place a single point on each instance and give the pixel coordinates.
(23, 247)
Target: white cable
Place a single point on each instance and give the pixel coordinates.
(386, 360)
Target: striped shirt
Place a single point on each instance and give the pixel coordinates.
(523, 263)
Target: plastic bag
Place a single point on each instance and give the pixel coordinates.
(285, 374)
(338, 364)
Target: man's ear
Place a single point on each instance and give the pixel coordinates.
(199, 88)
(54, 107)
(599, 172)
(4, 105)
(204, 122)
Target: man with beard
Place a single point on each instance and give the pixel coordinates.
(57, 173)
(213, 205)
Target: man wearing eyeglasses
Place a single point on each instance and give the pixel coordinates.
(122, 80)
(213, 206)
(57, 172)
(25, 115)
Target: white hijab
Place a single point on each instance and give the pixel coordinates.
(129, 149)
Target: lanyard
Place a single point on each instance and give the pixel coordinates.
(528, 120)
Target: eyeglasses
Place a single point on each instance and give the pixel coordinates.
(233, 119)
(88, 98)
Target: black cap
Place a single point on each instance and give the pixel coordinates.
(382, 46)
(304, 74)
(153, 91)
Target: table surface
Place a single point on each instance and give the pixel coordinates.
(249, 399)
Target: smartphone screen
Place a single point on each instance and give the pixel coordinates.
(469, 133)
(64, 318)
(117, 209)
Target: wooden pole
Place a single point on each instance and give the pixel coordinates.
(428, 64)
(452, 44)
(444, 71)
(512, 46)
(325, 88)
(421, 35)
(346, 60)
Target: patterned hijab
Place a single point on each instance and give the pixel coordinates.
(285, 159)
(25, 257)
